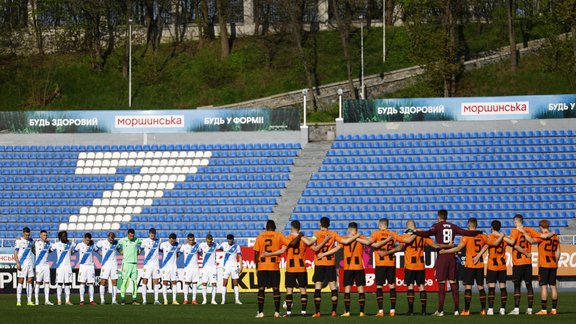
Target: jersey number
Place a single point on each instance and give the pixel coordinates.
(447, 235)
(551, 246)
(267, 245)
(326, 249)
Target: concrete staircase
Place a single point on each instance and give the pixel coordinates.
(309, 161)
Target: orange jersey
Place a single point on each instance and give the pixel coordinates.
(389, 260)
(353, 254)
(519, 239)
(296, 256)
(414, 252)
(269, 241)
(320, 236)
(473, 246)
(547, 252)
(496, 253)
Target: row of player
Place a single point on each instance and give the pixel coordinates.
(270, 245)
(32, 262)
(385, 243)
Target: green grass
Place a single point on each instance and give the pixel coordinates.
(245, 313)
(188, 77)
(532, 77)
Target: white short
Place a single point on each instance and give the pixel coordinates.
(231, 272)
(109, 273)
(43, 273)
(86, 274)
(169, 274)
(191, 275)
(151, 272)
(26, 272)
(209, 275)
(64, 275)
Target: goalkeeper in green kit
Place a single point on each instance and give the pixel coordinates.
(130, 246)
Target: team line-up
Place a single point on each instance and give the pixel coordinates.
(32, 262)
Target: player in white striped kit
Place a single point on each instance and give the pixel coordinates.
(232, 265)
(42, 249)
(151, 269)
(169, 268)
(191, 269)
(25, 265)
(108, 249)
(64, 249)
(209, 271)
(86, 273)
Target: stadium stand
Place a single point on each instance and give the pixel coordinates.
(488, 175)
(211, 188)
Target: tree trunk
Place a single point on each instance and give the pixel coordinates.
(511, 12)
(38, 35)
(344, 23)
(390, 5)
(221, 6)
(128, 38)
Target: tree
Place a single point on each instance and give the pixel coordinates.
(343, 12)
(511, 14)
(221, 7)
(437, 42)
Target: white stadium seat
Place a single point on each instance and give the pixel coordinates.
(90, 219)
(63, 227)
(109, 218)
(115, 226)
(116, 155)
(89, 226)
(98, 226)
(73, 219)
(90, 155)
(99, 155)
(82, 156)
(82, 219)
(99, 219)
(80, 227)
(72, 227)
(106, 226)
(96, 202)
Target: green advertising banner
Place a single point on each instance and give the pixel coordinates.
(150, 121)
(460, 109)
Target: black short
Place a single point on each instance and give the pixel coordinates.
(385, 274)
(496, 276)
(547, 276)
(471, 275)
(268, 278)
(522, 273)
(324, 274)
(354, 276)
(417, 277)
(296, 280)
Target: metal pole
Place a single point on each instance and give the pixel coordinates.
(130, 63)
(305, 106)
(362, 55)
(384, 31)
(340, 106)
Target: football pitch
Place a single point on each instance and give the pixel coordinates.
(245, 313)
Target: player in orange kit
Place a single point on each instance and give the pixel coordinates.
(548, 256)
(384, 240)
(324, 266)
(353, 246)
(268, 266)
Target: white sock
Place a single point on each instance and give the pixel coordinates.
(29, 292)
(143, 292)
(194, 290)
(67, 292)
(156, 288)
(186, 288)
(59, 293)
(174, 292)
(214, 292)
(37, 292)
(165, 292)
(82, 291)
(91, 292)
(19, 292)
(114, 292)
(102, 293)
(236, 293)
(46, 292)
(204, 290)
(223, 293)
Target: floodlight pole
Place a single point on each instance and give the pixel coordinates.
(383, 31)
(362, 86)
(130, 63)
